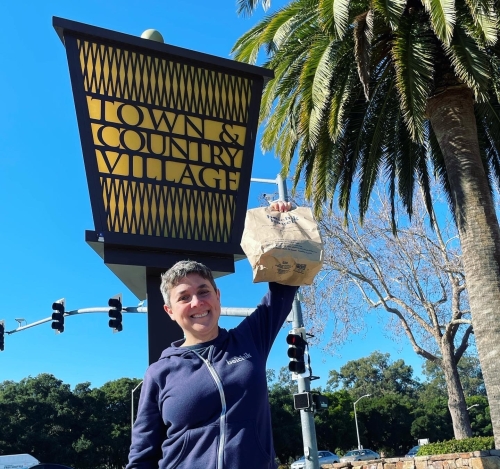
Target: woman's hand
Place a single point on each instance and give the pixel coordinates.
(281, 206)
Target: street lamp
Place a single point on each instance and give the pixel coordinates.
(132, 405)
(356, 419)
(473, 405)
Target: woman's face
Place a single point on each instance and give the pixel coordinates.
(195, 306)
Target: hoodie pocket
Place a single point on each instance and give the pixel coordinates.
(243, 448)
(197, 449)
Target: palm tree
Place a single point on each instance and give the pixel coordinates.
(399, 89)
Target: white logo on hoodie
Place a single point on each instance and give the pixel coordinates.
(241, 358)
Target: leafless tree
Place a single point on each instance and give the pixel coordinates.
(414, 277)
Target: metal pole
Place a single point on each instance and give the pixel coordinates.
(304, 384)
(306, 418)
(282, 192)
(132, 413)
(357, 429)
(356, 419)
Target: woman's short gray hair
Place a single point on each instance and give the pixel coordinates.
(178, 271)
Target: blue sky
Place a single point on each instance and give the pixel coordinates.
(45, 208)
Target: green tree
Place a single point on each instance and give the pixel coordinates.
(368, 88)
(387, 421)
(385, 418)
(473, 386)
(85, 429)
(335, 428)
(469, 371)
(432, 419)
(38, 417)
(287, 431)
(374, 375)
(480, 418)
(92, 432)
(115, 404)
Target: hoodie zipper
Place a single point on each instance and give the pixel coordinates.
(222, 427)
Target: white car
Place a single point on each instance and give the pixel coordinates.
(325, 457)
(360, 455)
(17, 461)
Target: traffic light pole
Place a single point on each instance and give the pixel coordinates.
(236, 312)
(306, 417)
(304, 384)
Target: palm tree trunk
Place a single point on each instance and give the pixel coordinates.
(456, 399)
(451, 114)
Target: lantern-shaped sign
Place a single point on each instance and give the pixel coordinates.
(168, 137)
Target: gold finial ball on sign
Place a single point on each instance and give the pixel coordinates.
(152, 35)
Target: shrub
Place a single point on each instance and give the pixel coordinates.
(478, 443)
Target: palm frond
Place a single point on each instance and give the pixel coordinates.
(327, 22)
(479, 19)
(287, 70)
(271, 29)
(488, 123)
(321, 87)
(326, 174)
(382, 43)
(247, 46)
(391, 10)
(296, 21)
(341, 16)
(439, 168)
(342, 87)
(442, 16)
(344, 150)
(471, 63)
(424, 179)
(247, 7)
(487, 150)
(407, 161)
(375, 134)
(400, 162)
(347, 164)
(363, 34)
(317, 43)
(495, 74)
(279, 121)
(323, 76)
(412, 54)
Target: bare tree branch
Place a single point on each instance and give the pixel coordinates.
(415, 277)
(460, 350)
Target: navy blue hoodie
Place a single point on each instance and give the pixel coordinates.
(208, 408)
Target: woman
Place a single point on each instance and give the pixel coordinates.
(204, 404)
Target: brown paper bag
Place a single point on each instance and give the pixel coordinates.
(283, 247)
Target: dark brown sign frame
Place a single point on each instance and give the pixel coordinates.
(168, 136)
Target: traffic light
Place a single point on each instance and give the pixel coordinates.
(58, 316)
(303, 401)
(310, 401)
(2, 335)
(297, 350)
(320, 401)
(115, 313)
